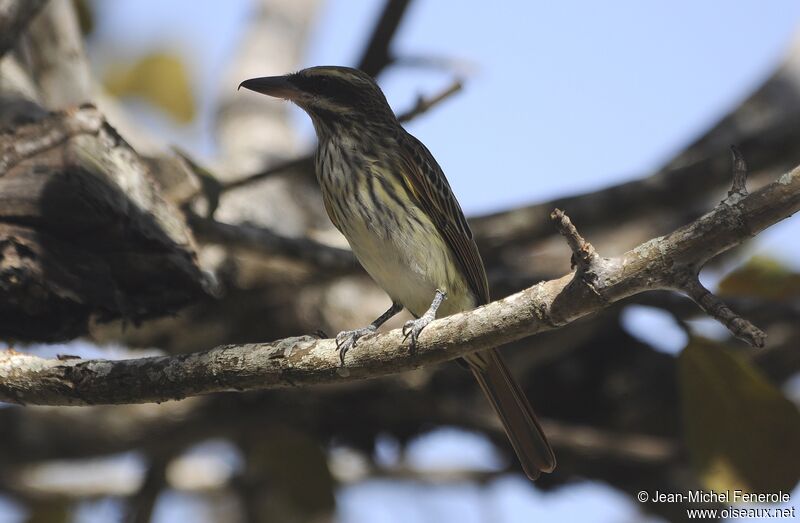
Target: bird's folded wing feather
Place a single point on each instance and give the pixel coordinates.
(426, 182)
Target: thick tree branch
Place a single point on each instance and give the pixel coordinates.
(84, 232)
(661, 263)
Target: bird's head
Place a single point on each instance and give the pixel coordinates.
(327, 92)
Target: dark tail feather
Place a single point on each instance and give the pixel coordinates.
(518, 419)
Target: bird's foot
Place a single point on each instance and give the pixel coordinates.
(346, 340)
(413, 328)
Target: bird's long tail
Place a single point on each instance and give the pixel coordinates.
(515, 412)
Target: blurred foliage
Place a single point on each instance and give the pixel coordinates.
(83, 10)
(160, 78)
(294, 469)
(741, 432)
(53, 511)
(762, 277)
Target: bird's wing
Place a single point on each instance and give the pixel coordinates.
(425, 181)
(329, 207)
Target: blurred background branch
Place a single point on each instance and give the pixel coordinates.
(14, 18)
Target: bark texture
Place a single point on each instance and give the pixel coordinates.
(84, 232)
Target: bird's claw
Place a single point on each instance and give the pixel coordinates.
(412, 330)
(346, 340)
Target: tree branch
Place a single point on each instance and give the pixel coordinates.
(424, 104)
(717, 309)
(661, 263)
(583, 253)
(14, 18)
(738, 187)
(265, 241)
(141, 504)
(84, 232)
(304, 162)
(376, 55)
(56, 57)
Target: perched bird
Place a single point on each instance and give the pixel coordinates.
(385, 192)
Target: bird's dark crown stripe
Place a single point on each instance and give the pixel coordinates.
(336, 89)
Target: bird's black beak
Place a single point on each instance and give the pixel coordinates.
(277, 86)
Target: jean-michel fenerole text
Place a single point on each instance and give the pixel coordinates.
(723, 496)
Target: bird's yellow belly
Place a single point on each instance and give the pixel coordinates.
(409, 260)
(393, 239)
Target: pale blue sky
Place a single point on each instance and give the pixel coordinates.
(564, 97)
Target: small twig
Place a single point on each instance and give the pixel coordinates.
(458, 66)
(303, 162)
(717, 309)
(423, 104)
(738, 187)
(584, 254)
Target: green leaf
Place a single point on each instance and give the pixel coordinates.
(160, 78)
(763, 278)
(741, 432)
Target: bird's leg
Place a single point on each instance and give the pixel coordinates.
(412, 328)
(346, 340)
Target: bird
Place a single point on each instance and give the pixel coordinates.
(385, 192)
